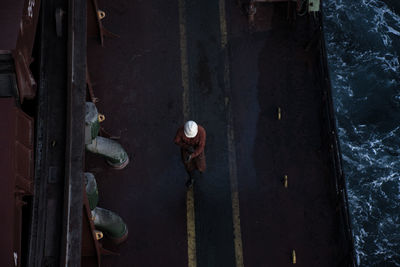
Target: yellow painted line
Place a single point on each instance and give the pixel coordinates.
(184, 58)
(237, 232)
(222, 22)
(191, 229)
(190, 215)
(224, 42)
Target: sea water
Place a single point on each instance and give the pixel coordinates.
(363, 44)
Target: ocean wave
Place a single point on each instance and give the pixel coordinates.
(363, 42)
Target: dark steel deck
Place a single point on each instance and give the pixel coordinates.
(137, 78)
(10, 14)
(276, 71)
(7, 148)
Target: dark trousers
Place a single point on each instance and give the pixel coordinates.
(197, 163)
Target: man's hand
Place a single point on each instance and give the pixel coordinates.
(188, 158)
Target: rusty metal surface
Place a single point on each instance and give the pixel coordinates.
(131, 76)
(94, 21)
(25, 79)
(94, 24)
(91, 250)
(27, 28)
(18, 21)
(23, 49)
(7, 177)
(10, 18)
(24, 166)
(16, 165)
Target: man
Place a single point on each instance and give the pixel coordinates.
(192, 140)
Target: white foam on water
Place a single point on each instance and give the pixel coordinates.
(361, 36)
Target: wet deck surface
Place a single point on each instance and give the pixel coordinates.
(138, 80)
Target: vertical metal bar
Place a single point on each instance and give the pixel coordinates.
(46, 226)
(337, 158)
(74, 158)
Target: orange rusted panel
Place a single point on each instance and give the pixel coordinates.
(23, 51)
(16, 165)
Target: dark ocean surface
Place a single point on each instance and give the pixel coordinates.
(363, 42)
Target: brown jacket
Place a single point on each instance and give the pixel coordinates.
(198, 142)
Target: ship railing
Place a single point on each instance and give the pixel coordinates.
(339, 183)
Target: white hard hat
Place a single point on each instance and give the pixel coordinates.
(190, 129)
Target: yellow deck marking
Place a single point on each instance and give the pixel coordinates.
(222, 22)
(191, 230)
(237, 233)
(190, 215)
(184, 58)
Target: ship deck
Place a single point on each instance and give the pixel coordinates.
(182, 60)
